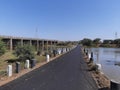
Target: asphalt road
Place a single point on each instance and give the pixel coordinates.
(68, 72)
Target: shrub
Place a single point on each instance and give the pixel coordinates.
(24, 52)
(2, 47)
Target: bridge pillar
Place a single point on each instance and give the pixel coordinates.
(51, 45)
(21, 42)
(43, 45)
(11, 44)
(37, 45)
(30, 42)
(54, 44)
(47, 45)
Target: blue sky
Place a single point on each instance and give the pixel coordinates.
(60, 19)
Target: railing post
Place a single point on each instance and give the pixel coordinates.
(114, 85)
(9, 70)
(27, 64)
(47, 58)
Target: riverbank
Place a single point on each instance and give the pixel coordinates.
(101, 80)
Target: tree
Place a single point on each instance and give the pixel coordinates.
(2, 47)
(107, 41)
(24, 52)
(86, 42)
(117, 41)
(96, 41)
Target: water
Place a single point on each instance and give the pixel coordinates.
(109, 58)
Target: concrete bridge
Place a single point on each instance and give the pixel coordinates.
(11, 42)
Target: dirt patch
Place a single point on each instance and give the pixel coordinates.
(102, 81)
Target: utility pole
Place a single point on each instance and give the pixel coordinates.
(116, 35)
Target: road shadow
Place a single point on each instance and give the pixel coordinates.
(105, 88)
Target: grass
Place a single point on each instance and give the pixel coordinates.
(4, 59)
(40, 59)
(3, 72)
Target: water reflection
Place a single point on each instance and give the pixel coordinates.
(109, 58)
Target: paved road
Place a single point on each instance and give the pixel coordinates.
(69, 72)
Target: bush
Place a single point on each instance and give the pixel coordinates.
(2, 47)
(24, 52)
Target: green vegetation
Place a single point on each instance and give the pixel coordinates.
(67, 43)
(105, 45)
(86, 42)
(2, 73)
(40, 58)
(10, 58)
(21, 53)
(24, 52)
(6, 58)
(117, 42)
(2, 47)
(98, 43)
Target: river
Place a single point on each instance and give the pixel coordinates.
(109, 58)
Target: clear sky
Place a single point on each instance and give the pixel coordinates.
(60, 19)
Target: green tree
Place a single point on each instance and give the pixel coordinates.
(24, 52)
(107, 41)
(117, 41)
(2, 47)
(86, 42)
(96, 41)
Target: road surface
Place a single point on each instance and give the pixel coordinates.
(68, 72)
